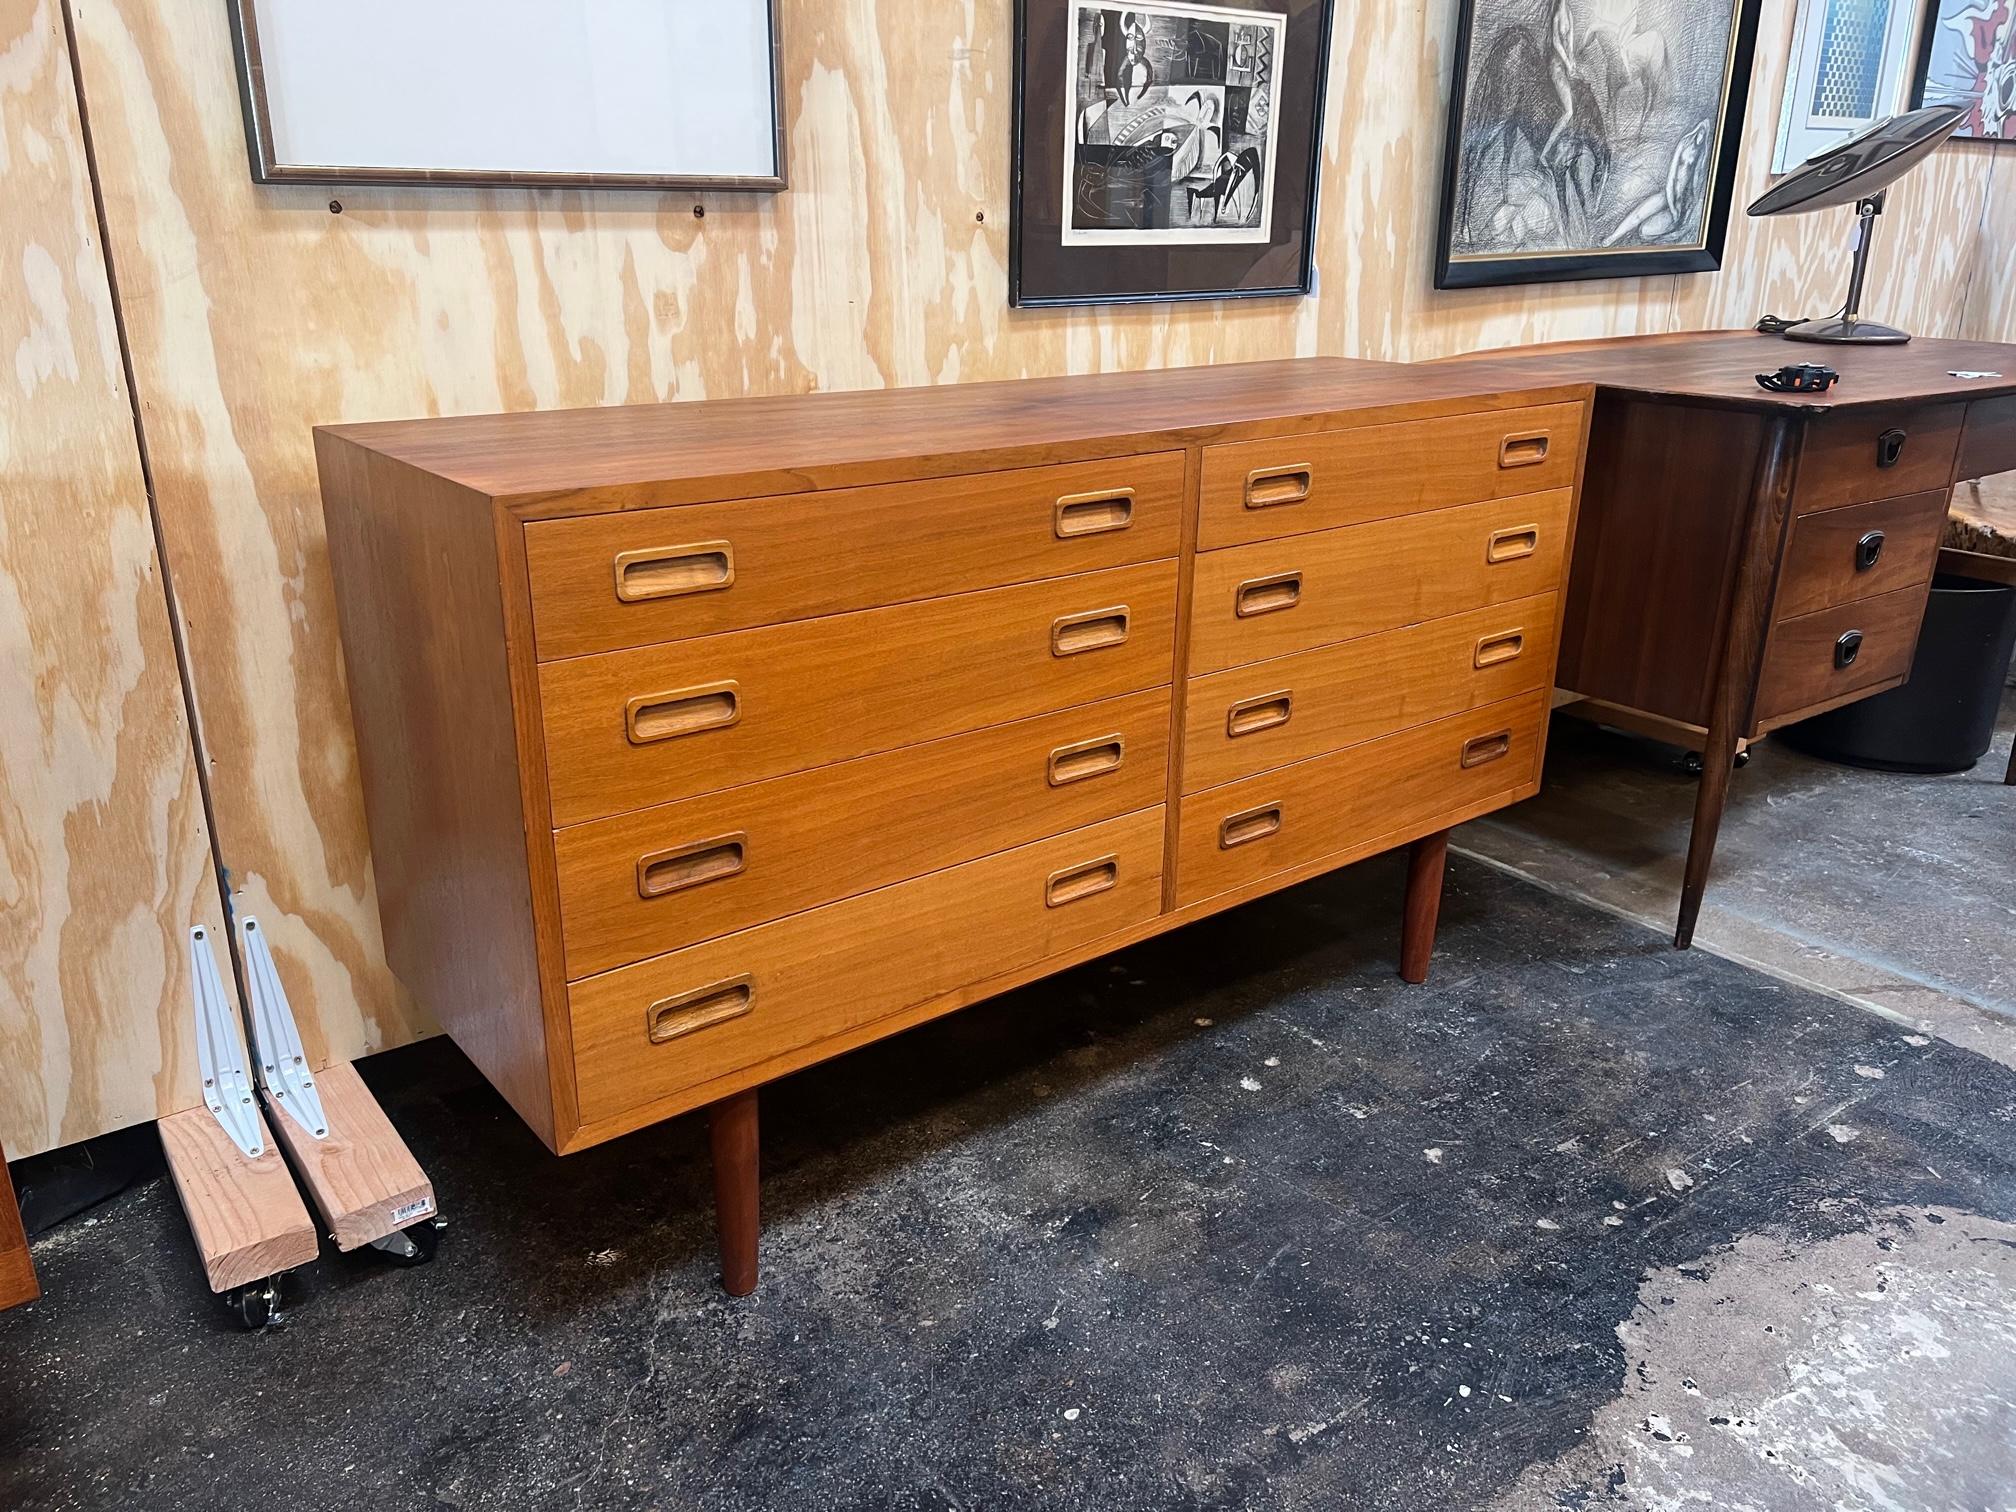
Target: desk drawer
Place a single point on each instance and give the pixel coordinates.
(1808, 661)
(1255, 490)
(1860, 551)
(663, 878)
(604, 582)
(1854, 455)
(655, 1029)
(1271, 713)
(627, 729)
(1245, 831)
(1275, 598)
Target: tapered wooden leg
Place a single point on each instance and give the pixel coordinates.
(2009, 780)
(1718, 760)
(732, 1125)
(1426, 858)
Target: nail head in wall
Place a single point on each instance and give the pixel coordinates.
(335, 207)
(979, 215)
(699, 212)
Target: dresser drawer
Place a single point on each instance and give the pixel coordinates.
(676, 1022)
(1811, 660)
(604, 582)
(1275, 598)
(645, 883)
(1271, 713)
(1255, 490)
(1860, 551)
(1853, 455)
(1248, 830)
(627, 729)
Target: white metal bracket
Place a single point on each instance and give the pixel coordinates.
(283, 1064)
(227, 1087)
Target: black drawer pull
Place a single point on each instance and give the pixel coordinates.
(1889, 447)
(1868, 550)
(1848, 648)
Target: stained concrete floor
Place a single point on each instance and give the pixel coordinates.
(1234, 1220)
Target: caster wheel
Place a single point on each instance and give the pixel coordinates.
(411, 1246)
(1742, 759)
(1691, 763)
(256, 1305)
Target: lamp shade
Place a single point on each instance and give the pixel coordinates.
(1861, 165)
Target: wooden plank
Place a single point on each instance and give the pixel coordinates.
(103, 844)
(363, 1180)
(17, 1270)
(245, 1215)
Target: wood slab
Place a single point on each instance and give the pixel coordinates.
(364, 1181)
(17, 1273)
(247, 1219)
(1982, 518)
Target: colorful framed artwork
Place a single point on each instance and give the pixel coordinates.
(1592, 140)
(1967, 56)
(1165, 150)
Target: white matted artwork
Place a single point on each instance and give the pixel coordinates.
(648, 93)
(1171, 124)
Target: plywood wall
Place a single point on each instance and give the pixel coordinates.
(104, 859)
(257, 312)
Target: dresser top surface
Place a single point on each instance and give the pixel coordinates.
(791, 443)
(1722, 367)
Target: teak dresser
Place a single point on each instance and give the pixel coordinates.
(704, 741)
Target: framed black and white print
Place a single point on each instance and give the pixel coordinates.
(1592, 138)
(1165, 150)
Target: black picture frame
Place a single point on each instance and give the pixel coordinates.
(1469, 271)
(1931, 33)
(1043, 271)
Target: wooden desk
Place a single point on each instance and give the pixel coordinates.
(702, 742)
(17, 1274)
(1746, 559)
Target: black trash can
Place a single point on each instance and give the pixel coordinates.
(1944, 717)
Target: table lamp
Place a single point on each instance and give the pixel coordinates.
(1858, 172)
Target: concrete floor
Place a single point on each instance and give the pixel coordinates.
(1234, 1220)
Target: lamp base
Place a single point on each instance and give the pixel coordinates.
(1847, 331)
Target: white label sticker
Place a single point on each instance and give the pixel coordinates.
(409, 1211)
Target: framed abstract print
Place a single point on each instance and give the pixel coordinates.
(1592, 138)
(1165, 150)
(1967, 56)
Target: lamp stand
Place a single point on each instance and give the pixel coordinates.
(1849, 327)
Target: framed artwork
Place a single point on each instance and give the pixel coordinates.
(1592, 138)
(1847, 72)
(1967, 56)
(646, 94)
(1165, 150)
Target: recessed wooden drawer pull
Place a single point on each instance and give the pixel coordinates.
(1482, 748)
(703, 1007)
(684, 866)
(1523, 450)
(1083, 514)
(1081, 881)
(1268, 595)
(1093, 631)
(1264, 711)
(1249, 825)
(685, 711)
(1512, 543)
(668, 571)
(1267, 486)
(1087, 758)
(1495, 650)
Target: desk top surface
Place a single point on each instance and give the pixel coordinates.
(1721, 367)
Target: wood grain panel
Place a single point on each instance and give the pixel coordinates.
(818, 974)
(760, 561)
(104, 852)
(1275, 598)
(257, 312)
(1802, 671)
(793, 842)
(1825, 559)
(1271, 713)
(1841, 462)
(629, 728)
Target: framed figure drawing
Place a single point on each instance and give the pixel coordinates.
(1165, 150)
(1967, 56)
(1592, 138)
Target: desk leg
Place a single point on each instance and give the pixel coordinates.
(1741, 657)
(732, 1126)
(1426, 858)
(2009, 780)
